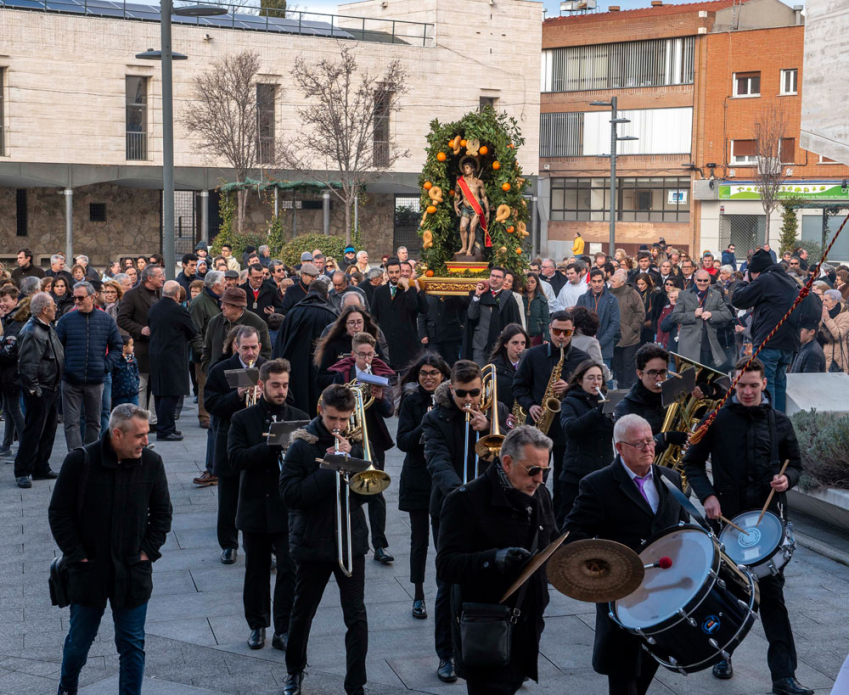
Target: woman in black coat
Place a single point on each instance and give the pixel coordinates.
(336, 343)
(506, 354)
(414, 491)
(588, 431)
(654, 300)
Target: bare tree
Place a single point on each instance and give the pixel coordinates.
(225, 118)
(345, 136)
(770, 135)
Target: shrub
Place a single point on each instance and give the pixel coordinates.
(824, 442)
(290, 254)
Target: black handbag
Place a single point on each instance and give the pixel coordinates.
(57, 580)
(486, 629)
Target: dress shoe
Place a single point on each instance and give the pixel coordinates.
(50, 475)
(178, 433)
(790, 686)
(256, 640)
(723, 670)
(292, 684)
(228, 557)
(280, 641)
(446, 672)
(419, 609)
(170, 438)
(205, 479)
(381, 556)
(23, 481)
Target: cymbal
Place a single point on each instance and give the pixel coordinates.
(533, 565)
(597, 571)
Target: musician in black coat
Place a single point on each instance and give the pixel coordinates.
(616, 504)
(309, 493)
(747, 443)
(262, 517)
(395, 307)
(587, 429)
(222, 402)
(488, 529)
(530, 383)
(442, 326)
(414, 488)
(506, 354)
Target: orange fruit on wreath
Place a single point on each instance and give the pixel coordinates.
(505, 186)
(496, 165)
(484, 150)
(441, 157)
(511, 146)
(431, 209)
(428, 185)
(462, 143)
(429, 274)
(519, 250)
(452, 192)
(511, 229)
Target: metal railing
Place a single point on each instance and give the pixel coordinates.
(136, 146)
(394, 31)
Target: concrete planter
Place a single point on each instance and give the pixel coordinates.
(830, 505)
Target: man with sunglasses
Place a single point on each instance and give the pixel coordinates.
(531, 381)
(626, 502)
(701, 312)
(450, 466)
(489, 528)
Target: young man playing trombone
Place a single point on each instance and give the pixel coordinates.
(312, 496)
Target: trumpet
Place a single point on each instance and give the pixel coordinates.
(489, 446)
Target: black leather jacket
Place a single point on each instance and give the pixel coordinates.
(40, 357)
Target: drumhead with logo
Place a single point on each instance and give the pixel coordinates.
(761, 541)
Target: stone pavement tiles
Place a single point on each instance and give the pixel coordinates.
(196, 630)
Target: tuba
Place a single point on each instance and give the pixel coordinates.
(489, 446)
(551, 403)
(686, 412)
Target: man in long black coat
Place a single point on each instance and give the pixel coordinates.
(488, 529)
(395, 307)
(223, 402)
(626, 502)
(490, 310)
(171, 332)
(296, 341)
(262, 517)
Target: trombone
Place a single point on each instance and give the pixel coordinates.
(343, 495)
(468, 408)
(489, 446)
(371, 481)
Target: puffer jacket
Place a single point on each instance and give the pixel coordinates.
(92, 346)
(40, 357)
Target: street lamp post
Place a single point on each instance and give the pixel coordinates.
(614, 139)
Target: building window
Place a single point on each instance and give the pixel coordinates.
(790, 81)
(21, 211)
(97, 212)
(266, 149)
(747, 84)
(652, 63)
(654, 199)
(744, 151)
(561, 135)
(136, 116)
(580, 199)
(382, 111)
(787, 151)
(491, 102)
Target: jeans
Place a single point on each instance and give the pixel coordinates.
(776, 363)
(14, 416)
(129, 640)
(74, 398)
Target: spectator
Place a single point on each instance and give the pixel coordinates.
(632, 315)
(578, 245)
(707, 264)
(395, 309)
(231, 279)
(687, 270)
(644, 266)
(318, 261)
(549, 274)
(40, 362)
(13, 319)
(374, 279)
(62, 296)
(263, 298)
(574, 287)
(603, 304)
(30, 285)
(667, 332)
(133, 274)
(92, 346)
(110, 541)
(362, 262)
(90, 273)
(769, 295)
(124, 281)
(536, 310)
(299, 290)
(729, 257)
(584, 338)
(112, 294)
(264, 255)
(132, 318)
(653, 301)
(835, 332)
(25, 267)
(700, 314)
(202, 309)
(227, 255)
(57, 269)
(811, 358)
(45, 284)
(513, 284)
(125, 377)
(189, 272)
(350, 257)
(771, 253)
(233, 313)
(341, 287)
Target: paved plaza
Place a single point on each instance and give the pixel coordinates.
(196, 630)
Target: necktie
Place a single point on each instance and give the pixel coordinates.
(641, 484)
(392, 291)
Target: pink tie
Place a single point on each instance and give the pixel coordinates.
(641, 483)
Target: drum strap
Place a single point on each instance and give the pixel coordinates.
(775, 462)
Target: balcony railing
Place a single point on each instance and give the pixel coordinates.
(394, 31)
(136, 146)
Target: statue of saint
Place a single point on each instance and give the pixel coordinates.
(472, 207)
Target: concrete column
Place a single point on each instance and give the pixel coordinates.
(325, 203)
(204, 216)
(276, 202)
(69, 225)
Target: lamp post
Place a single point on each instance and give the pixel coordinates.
(614, 139)
(166, 55)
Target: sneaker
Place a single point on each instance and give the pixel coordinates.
(206, 478)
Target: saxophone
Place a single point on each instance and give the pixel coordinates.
(551, 403)
(519, 413)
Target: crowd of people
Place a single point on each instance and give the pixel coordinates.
(114, 354)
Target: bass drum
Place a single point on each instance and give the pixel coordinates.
(695, 613)
(765, 548)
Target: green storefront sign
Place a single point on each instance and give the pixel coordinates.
(808, 190)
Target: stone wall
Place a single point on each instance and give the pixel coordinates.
(132, 223)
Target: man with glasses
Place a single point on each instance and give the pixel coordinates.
(489, 529)
(700, 314)
(626, 502)
(531, 381)
(364, 360)
(548, 273)
(729, 257)
(341, 287)
(687, 270)
(489, 312)
(92, 349)
(263, 297)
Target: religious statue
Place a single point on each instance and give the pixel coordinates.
(471, 195)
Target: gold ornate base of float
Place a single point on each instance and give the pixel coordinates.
(456, 286)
